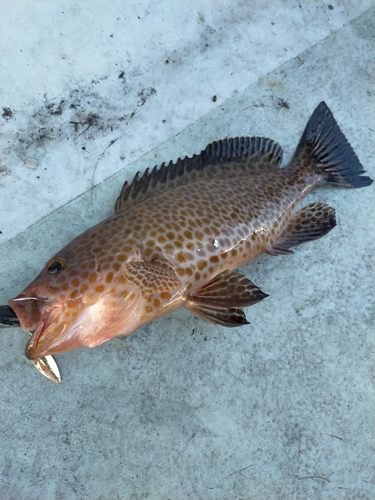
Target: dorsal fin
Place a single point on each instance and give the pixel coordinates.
(247, 154)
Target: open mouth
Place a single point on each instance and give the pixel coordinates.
(41, 341)
(36, 315)
(32, 345)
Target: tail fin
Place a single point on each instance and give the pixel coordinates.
(325, 144)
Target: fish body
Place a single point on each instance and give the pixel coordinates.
(178, 234)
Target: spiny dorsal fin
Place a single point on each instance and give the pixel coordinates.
(247, 154)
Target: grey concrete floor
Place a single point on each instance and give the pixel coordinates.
(280, 409)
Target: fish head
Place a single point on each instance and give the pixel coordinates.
(72, 303)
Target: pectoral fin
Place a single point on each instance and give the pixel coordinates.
(151, 277)
(228, 290)
(219, 300)
(308, 224)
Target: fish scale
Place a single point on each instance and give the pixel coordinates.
(178, 234)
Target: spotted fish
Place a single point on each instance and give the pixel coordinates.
(180, 232)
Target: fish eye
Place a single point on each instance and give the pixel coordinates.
(55, 266)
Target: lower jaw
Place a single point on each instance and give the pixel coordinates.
(32, 351)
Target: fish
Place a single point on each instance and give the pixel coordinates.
(180, 232)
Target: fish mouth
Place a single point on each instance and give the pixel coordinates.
(32, 351)
(36, 315)
(37, 347)
(41, 345)
(42, 341)
(27, 310)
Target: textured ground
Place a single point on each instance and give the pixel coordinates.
(280, 409)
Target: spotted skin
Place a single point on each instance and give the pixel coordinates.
(151, 277)
(179, 233)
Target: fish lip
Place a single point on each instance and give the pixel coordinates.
(33, 343)
(20, 305)
(33, 350)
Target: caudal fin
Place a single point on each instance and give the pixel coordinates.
(325, 144)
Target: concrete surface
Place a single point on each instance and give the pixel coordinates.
(90, 86)
(282, 408)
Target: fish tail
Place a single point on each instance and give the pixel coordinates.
(333, 158)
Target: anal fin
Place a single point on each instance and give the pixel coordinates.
(308, 224)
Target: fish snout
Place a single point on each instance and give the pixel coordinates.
(26, 310)
(31, 305)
